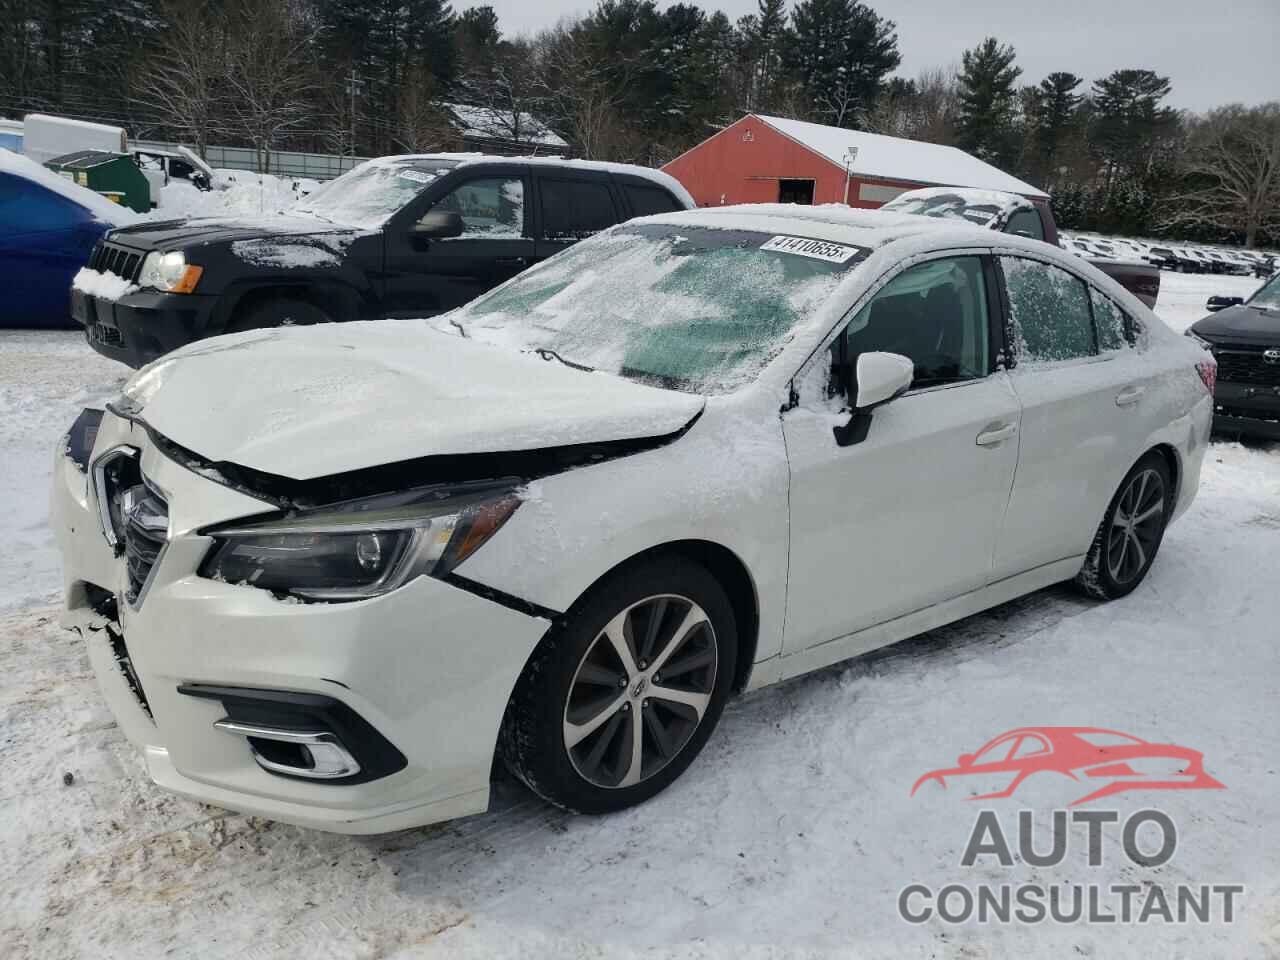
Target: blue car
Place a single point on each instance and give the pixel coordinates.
(48, 227)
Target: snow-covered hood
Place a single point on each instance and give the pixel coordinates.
(317, 401)
(180, 234)
(1241, 323)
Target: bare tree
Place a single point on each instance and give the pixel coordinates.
(925, 108)
(184, 81)
(269, 73)
(584, 92)
(421, 124)
(1232, 172)
(506, 92)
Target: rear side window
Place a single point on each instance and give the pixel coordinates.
(1026, 223)
(1050, 311)
(1114, 330)
(647, 200)
(573, 209)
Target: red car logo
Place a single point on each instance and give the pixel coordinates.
(1116, 761)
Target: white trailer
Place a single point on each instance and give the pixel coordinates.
(45, 137)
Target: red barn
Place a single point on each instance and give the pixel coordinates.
(763, 159)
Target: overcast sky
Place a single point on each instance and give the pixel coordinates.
(1213, 51)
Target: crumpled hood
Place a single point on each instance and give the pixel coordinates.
(1242, 324)
(179, 234)
(316, 401)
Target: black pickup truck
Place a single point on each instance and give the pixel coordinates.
(408, 236)
(1013, 213)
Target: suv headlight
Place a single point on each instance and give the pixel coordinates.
(362, 548)
(169, 272)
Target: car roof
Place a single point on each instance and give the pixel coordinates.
(832, 221)
(656, 177)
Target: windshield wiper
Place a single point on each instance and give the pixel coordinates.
(548, 354)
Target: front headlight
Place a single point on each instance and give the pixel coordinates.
(363, 548)
(169, 272)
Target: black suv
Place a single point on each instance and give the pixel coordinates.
(398, 236)
(1244, 337)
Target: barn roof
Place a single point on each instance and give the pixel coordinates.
(894, 158)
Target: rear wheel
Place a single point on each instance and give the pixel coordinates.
(618, 701)
(281, 312)
(1132, 529)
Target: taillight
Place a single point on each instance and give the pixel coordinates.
(1208, 370)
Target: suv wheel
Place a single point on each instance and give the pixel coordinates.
(283, 312)
(1132, 529)
(618, 701)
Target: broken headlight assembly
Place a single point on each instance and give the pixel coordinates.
(362, 548)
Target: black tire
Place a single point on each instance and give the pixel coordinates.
(1122, 551)
(548, 706)
(278, 312)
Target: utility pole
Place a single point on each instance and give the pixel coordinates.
(354, 83)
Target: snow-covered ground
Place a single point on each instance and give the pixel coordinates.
(246, 195)
(792, 835)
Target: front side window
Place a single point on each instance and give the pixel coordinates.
(1026, 223)
(574, 209)
(1050, 311)
(491, 208)
(1268, 297)
(1030, 746)
(934, 314)
(996, 752)
(1114, 331)
(689, 308)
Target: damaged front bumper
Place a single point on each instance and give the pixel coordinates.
(411, 685)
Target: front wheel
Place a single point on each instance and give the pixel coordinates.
(619, 700)
(1131, 532)
(279, 312)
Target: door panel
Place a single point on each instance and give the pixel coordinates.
(903, 520)
(1083, 417)
(427, 276)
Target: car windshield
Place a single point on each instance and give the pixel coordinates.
(949, 206)
(1268, 297)
(689, 308)
(369, 194)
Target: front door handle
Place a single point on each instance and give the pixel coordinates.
(1129, 395)
(996, 433)
(510, 261)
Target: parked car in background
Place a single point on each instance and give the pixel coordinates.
(48, 228)
(409, 236)
(330, 575)
(1244, 337)
(1011, 213)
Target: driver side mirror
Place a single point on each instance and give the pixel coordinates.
(438, 224)
(1221, 303)
(880, 378)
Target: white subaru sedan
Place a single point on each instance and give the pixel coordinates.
(328, 575)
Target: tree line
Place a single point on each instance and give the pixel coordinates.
(629, 81)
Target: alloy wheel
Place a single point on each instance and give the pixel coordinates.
(1136, 526)
(640, 691)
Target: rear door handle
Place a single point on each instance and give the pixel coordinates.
(996, 433)
(1129, 395)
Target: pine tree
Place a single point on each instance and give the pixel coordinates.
(841, 51)
(988, 101)
(1128, 120)
(1052, 116)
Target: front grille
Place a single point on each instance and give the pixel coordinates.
(1243, 365)
(109, 258)
(108, 336)
(145, 533)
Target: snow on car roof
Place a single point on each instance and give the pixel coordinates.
(1002, 200)
(664, 180)
(830, 221)
(102, 208)
(897, 159)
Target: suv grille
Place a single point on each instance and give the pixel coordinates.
(1244, 365)
(145, 532)
(108, 258)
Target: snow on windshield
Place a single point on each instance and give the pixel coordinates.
(690, 308)
(368, 195)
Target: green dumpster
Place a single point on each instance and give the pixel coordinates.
(114, 175)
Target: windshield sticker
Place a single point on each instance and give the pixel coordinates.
(417, 176)
(814, 249)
